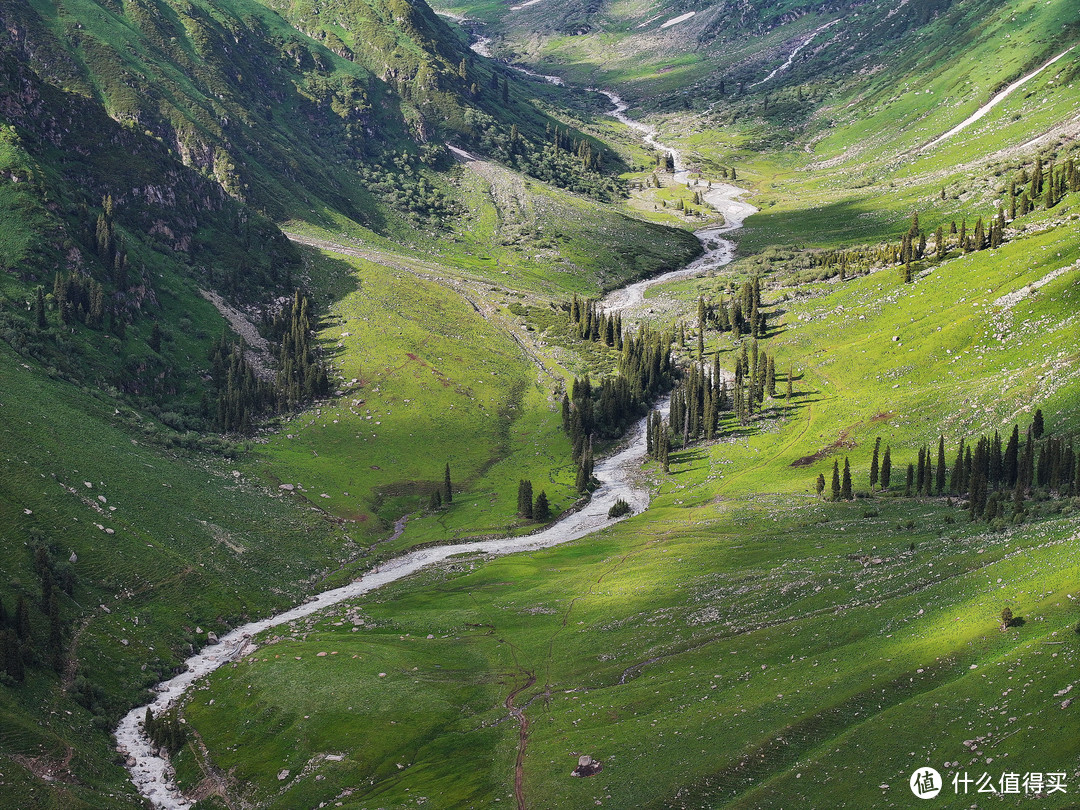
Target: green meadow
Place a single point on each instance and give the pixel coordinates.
(743, 643)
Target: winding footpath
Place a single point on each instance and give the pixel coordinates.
(619, 474)
(997, 99)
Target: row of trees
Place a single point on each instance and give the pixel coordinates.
(741, 314)
(1045, 185)
(984, 471)
(592, 323)
(243, 396)
(644, 370)
(301, 374)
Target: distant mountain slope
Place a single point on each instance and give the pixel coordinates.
(786, 70)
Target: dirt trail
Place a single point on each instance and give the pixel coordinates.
(997, 99)
(523, 739)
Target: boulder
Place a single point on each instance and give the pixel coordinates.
(587, 766)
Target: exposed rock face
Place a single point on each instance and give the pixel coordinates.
(587, 766)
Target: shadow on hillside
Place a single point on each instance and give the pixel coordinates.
(824, 226)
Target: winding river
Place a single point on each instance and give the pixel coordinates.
(620, 475)
(722, 197)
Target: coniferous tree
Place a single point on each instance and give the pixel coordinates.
(886, 468)
(39, 308)
(542, 509)
(940, 474)
(835, 481)
(956, 480)
(845, 486)
(1037, 424)
(874, 468)
(996, 462)
(910, 480)
(819, 485)
(525, 499)
(448, 491)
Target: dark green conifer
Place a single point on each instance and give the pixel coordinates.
(874, 468)
(525, 499)
(940, 474)
(542, 509)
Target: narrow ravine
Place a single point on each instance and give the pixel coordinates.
(619, 474)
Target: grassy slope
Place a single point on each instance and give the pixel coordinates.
(787, 672)
(428, 380)
(746, 591)
(640, 607)
(192, 545)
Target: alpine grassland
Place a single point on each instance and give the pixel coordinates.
(291, 289)
(743, 642)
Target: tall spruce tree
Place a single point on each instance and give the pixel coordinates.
(940, 473)
(874, 468)
(525, 499)
(542, 509)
